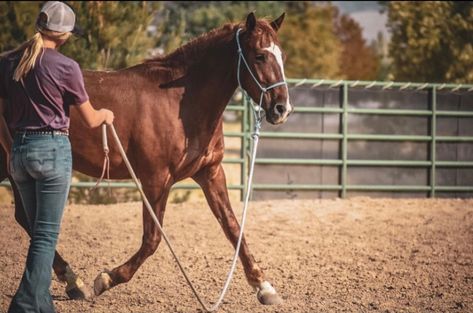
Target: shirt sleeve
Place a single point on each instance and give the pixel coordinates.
(75, 92)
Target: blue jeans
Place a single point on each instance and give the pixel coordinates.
(41, 167)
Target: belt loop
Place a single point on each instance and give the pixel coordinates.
(23, 135)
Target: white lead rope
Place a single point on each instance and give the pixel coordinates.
(166, 239)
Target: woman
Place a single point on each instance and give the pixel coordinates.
(38, 85)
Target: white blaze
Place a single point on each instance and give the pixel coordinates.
(276, 51)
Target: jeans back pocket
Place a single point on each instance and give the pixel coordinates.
(41, 161)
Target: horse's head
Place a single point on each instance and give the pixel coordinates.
(264, 57)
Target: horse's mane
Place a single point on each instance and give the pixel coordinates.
(193, 50)
(185, 55)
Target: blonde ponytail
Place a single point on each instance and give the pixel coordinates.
(32, 48)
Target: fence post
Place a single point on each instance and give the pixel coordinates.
(433, 134)
(344, 152)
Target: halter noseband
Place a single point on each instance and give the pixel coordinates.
(258, 116)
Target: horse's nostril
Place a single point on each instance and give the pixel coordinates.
(280, 108)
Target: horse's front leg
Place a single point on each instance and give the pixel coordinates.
(157, 196)
(213, 183)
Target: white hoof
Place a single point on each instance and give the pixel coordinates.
(102, 283)
(267, 295)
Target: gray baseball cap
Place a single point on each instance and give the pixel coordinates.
(59, 17)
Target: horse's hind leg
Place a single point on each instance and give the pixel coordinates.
(150, 242)
(212, 181)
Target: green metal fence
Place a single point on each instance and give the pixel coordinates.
(344, 137)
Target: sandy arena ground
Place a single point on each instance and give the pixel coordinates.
(357, 255)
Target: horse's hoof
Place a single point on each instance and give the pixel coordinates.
(78, 290)
(102, 283)
(267, 295)
(269, 299)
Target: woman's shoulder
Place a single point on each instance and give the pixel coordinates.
(52, 56)
(57, 56)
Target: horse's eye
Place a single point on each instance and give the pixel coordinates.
(260, 57)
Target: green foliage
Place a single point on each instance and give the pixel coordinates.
(309, 39)
(181, 21)
(115, 33)
(115, 36)
(431, 40)
(17, 22)
(380, 48)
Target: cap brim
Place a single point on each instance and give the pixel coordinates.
(78, 31)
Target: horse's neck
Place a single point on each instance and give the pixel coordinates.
(212, 82)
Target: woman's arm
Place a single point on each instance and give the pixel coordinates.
(94, 118)
(5, 137)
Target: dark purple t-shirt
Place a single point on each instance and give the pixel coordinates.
(55, 83)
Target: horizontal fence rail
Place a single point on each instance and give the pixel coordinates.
(344, 137)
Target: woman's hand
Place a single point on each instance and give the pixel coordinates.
(108, 116)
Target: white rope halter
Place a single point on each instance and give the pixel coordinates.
(257, 113)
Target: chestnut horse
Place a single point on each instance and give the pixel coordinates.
(169, 117)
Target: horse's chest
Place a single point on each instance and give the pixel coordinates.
(194, 158)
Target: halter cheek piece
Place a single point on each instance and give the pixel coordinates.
(258, 116)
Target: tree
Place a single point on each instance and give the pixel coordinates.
(432, 40)
(357, 61)
(115, 36)
(116, 33)
(380, 48)
(309, 39)
(17, 22)
(180, 21)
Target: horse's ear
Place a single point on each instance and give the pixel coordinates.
(250, 21)
(276, 24)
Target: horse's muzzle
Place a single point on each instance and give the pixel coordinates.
(279, 113)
